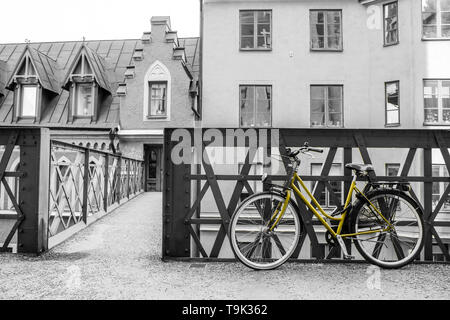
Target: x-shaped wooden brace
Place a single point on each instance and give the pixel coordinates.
(224, 211)
(3, 165)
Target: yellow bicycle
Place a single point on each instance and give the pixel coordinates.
(385, 223)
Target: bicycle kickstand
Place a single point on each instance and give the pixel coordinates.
(344, 248)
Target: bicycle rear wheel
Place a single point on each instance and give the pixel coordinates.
(253, 243)
(392, 247)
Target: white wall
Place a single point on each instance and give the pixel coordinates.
(363, 67)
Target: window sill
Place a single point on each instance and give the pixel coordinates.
(255, 50)
(392, 125)
(326, 50)
(435, 39)
(440, 124)
(255, 127)
(156, 117)
(386, 45)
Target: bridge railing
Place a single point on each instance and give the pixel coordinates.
(85, 184)
(49, 190)
(24, 179)
(200, 195)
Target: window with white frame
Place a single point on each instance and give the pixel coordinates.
(440, 170)
(392, 103)
(436, 19)
(255, 106)
(390, 16)
(327, 106)
(28, 101)
(326, 29)
(28, 88)
(157, 93)
(255, 29)
(84, 88)
(437, 101)
(392, 169)
(158, 99)
(325, 199)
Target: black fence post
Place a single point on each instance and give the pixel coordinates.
(119, 179)
(86, 185)
(106, 179)
(176, 204)
(428, 203)
(34, 190)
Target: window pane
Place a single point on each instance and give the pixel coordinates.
(334, 43)
(445, 5)
(264, 17)
(84, 100)
(247, 42)
(429, 18)
(29, 97)
(248, 29)
(392, 117)
(334, 30)
(445, 31)
(317, 106)
(263, 106)
(428, 5)
(264, 41)
(247, 95)
(247, 17)
(445, 17)
(247, 92)
(87, 67)
(316, 17)
(317, 30)
(431, 116)
(318, 42)
(430, 31)
(333, 17)
(158, 99)
(318, 119)
(335, 120)
(318, 92)
(392, 170)
(334, 92)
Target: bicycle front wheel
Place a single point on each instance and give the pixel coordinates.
(252, 241)
(388, 246)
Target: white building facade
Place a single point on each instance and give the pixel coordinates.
(328, 64)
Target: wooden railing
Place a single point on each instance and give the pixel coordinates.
(85, 184)
(200, 197)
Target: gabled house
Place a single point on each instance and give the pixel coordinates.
(106, 94)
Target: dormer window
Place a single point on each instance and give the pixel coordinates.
(35, 84)
(84, 89)
(28, 101)
(84, 100)
(88, 85)
(27, 90)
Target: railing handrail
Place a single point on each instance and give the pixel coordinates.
(76, 147)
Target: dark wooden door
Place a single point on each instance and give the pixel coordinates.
(153, 171)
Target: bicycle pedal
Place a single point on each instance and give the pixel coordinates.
(349, 257)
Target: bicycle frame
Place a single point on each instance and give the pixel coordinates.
(320, 216)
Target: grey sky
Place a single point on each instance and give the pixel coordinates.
(54, 20)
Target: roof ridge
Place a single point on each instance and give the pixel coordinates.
(67, 41)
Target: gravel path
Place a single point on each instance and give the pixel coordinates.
(119, 258)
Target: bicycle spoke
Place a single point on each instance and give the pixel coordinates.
(380, 242)
(279, 244)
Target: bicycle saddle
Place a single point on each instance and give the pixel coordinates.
(360, 167)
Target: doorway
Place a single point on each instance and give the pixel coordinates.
(153, 168)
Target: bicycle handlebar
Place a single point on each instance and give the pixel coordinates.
(303, 149)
